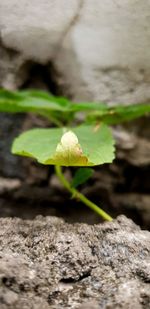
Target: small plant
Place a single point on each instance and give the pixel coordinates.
(89, 144)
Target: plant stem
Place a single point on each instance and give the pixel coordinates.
(51, 118)
(76, 194)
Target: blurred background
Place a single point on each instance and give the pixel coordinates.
(86, 51)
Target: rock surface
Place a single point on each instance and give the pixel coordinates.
(100, 50)
(47, 263)
(36, 28)
(106, 53)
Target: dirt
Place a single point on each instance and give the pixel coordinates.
(48, 263)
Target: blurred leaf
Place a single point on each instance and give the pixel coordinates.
(81, 176)
(119, 114)
(88, 106)
(31, 101)
(82, 146)
(61, 109)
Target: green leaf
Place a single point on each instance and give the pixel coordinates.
(40, 101)
(88, 106)
(81, 176)
(119, 114)
(31, 101)
(82, 146)
(61, 109)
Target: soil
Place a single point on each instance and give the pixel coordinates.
(48, 263)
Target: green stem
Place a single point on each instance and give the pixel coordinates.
(52, 119)
(75, 193)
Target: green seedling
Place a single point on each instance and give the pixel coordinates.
(80, 146)
(89, 144)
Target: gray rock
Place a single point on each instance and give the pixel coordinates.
(13, 68)
(100, 50)
(36, 28)
(106, 53)
(10, 126)
(47, 263)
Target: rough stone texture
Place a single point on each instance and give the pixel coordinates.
(106, 53)
(13, 71)
(8, 131)
(47, 263)
(135, 204)
(36, 28)
(99, 49)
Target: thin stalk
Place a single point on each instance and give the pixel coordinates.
(52, 119)
(76, 194)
